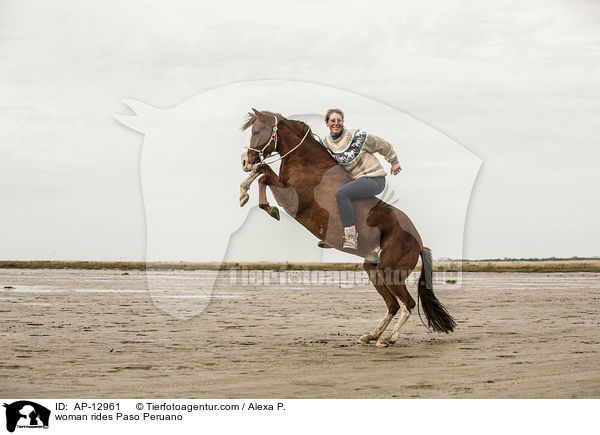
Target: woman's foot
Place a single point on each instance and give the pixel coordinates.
(350, 238)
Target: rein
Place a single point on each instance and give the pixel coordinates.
(274, 139)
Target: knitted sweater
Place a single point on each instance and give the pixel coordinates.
(365, 164)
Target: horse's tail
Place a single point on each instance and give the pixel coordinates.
(437, 316)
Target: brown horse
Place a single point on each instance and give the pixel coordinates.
(305, 188)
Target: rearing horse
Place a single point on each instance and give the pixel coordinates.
(305, 188)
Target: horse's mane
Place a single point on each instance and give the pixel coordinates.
(298, 125)
(252, 117)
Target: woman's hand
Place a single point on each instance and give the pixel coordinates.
(395, 169)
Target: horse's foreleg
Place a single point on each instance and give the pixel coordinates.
(259, 170)
(245, 187)
(263, 182)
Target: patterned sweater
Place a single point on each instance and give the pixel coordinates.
(365, 164)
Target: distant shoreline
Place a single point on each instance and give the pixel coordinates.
(537, 266)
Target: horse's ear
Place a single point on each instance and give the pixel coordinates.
(256, 112)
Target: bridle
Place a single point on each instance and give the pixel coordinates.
(274, 140)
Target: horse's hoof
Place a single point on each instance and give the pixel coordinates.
(244, 199)
(274, 213)
(364, 339)
(382, 343)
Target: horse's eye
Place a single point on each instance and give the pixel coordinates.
(254, 133)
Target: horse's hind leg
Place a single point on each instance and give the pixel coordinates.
(376, 278)
(395, 272)
(404, 315)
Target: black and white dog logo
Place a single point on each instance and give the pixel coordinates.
(26, 414)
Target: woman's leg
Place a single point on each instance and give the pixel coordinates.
(360, 188)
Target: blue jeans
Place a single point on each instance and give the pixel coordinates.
(360, 188)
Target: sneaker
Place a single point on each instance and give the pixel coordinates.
(350, 238)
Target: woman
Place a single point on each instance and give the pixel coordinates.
(353, 149)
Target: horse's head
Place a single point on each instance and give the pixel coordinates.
(263, 140)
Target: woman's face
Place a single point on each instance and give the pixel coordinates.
(335, 123)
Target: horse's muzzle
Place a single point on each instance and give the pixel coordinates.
(246, 166)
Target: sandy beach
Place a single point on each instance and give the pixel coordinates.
(99, 333)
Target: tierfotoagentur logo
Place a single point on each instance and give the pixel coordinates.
(25, 414)
(193, 187)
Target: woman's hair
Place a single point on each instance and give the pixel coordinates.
(331, 112)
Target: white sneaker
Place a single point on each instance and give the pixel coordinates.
(350, 238)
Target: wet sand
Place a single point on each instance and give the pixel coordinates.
(78, 333)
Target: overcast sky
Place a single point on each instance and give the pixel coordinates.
(515, 83)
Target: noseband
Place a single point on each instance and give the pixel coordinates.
(274, 140)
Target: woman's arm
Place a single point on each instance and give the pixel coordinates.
(376, 144)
